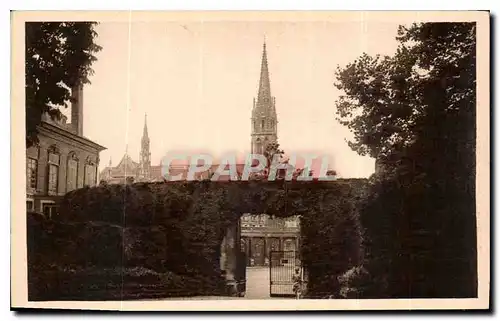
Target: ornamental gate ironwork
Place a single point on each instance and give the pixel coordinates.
(283, 266)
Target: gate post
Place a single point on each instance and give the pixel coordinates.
(230, 254)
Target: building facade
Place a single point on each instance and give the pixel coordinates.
(62, 161)
(261, 234)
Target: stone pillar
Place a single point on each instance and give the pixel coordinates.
(229, 256)
(223, 255)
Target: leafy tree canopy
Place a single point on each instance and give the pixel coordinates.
(415, 111)
(59, 56)
(387, 100)
(271, 150)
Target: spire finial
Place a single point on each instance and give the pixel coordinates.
(145, 131)
(264, 85)
(110, 161)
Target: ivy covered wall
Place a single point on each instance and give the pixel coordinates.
(163, 239)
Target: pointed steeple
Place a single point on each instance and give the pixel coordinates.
(145, 131)
(264, 83)
(145, 155)
(264, 117)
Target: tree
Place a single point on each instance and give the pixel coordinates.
(387, 100)
(59, 56)
(415, 112)
(273, 149)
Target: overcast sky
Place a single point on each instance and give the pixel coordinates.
(196, 81)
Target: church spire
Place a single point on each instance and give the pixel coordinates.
(264, 83)
(264, 118)
(145, 131)
(145, 155)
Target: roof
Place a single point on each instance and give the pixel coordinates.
(63, 131)
(126, 167)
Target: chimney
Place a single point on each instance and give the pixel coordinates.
(77, 109)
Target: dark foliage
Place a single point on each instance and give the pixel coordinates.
(59, 56)
(177, 228)
(330, 232)
(416, 113)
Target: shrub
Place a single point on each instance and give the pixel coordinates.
(353, 283)
(176, 228)
(116, 284)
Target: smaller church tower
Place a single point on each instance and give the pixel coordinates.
(264, 118)
(145, 155)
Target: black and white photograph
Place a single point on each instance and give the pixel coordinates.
(176, 161)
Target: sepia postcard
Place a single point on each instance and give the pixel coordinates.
(250, 161)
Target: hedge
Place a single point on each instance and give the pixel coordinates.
(96, 284)
(176, 228)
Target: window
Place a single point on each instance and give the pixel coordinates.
(54, 158)
(53, 178)
(289, 245)
(31, 173)
(262, 123)
(72, 173)
(46, 209)
(30, 205)
(50, 210)
(90, 175)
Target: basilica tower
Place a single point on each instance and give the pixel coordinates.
(145, 155)
(264, 118)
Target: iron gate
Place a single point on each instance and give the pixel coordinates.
(283, 265)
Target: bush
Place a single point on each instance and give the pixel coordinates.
(116, 284)
(331, 235)
(178, 227)
(353, 283)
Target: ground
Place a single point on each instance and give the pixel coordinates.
(258, 285)
(258, 282)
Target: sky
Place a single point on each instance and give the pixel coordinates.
(196, 82)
